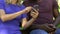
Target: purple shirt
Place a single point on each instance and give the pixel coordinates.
(45, 10)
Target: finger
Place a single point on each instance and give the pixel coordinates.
(51, 29)
(33, 13)
(35, 10)
(28, 8)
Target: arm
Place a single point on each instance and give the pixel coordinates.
(55, 12)
(5, 17)
(57, 21)
(26, 23)
(55, 8)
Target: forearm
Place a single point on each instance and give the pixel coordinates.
(56, 13)
(29, 23)
(11, 16)
(57, 21)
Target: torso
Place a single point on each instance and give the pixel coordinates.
(12, 25)
(45, 11)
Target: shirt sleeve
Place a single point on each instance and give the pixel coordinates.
(55, 4)
(24, 15)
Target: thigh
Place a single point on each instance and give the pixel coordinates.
(38, 31)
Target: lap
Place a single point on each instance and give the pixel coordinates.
(57, 31)
(38, 31)
(30, 30)
(35, 31)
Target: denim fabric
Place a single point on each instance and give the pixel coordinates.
(38, 31)
(57, 31)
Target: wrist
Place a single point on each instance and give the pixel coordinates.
(21, 28)
(23, 11)
(33, 18)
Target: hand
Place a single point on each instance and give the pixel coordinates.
(34, 13)
(27, 9)
(52, 26)
(47, 28)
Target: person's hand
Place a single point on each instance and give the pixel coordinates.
(52, 26)
(34, 13)
(27, 9)
(49, 28)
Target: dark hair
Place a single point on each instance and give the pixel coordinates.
(28, 2)
(32, 1)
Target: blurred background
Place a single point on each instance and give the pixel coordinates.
(58, 5)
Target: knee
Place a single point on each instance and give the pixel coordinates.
(38, 31)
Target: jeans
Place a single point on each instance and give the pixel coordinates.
(57, 31)
(38, 31)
